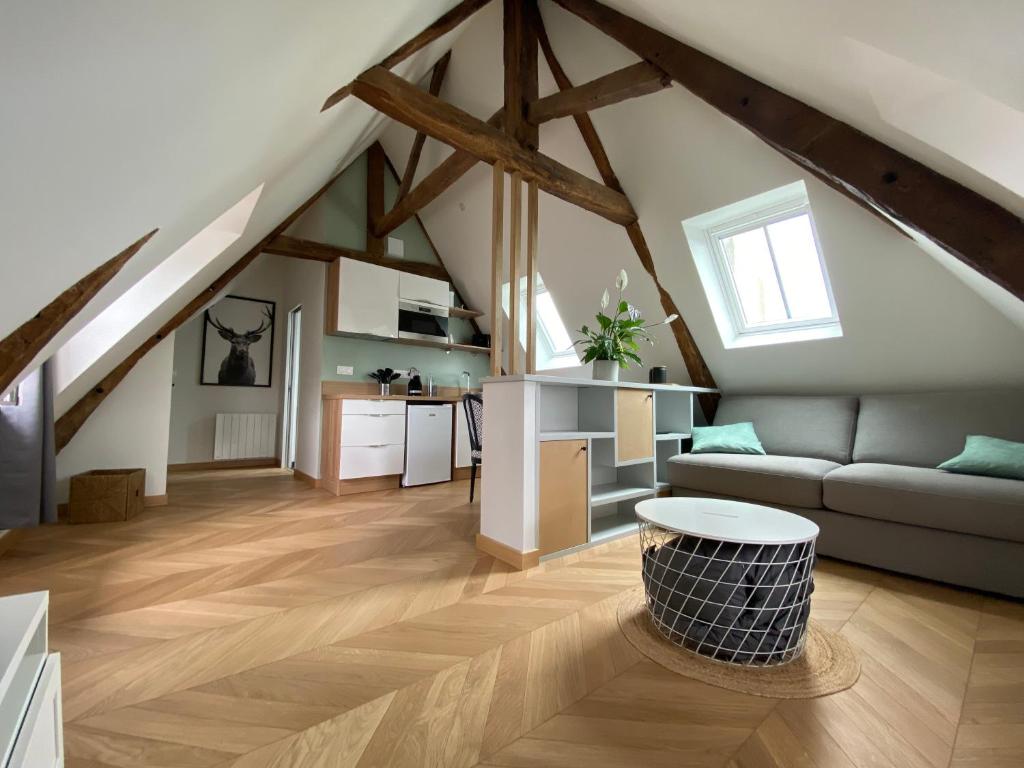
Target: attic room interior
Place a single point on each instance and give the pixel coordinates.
(512, 383)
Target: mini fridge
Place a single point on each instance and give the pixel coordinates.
(428, 444)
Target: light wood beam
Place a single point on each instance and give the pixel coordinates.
(453, 168)
(21, 346)
(73, 419)
(442, 26)
(375, 246)
(407, 104)
(982, 234)
(696, 367)
(520, 58)
(514, 251)
(497, 246)
(627, 83)
(284, 245)
(531, 276)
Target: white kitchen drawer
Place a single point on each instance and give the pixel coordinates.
(373, 429)
(423, 289)
(40, 742)
(382, 407)
(370, 461)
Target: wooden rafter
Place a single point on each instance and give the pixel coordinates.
(453, 168)
(982, 234)
(19, 349)
(298, 248)
(696, 367)
(520, 58)
(627, 83)
(442, 26)
(73, 419)
(407, 104)
(375, 246)
(434, 89)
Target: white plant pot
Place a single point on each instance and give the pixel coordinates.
(606, 370)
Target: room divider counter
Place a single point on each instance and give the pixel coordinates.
(567, 458)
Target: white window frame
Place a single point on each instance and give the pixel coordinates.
(11, 397)
(705, 234)
(565, 359)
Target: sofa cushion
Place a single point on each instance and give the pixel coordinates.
(787, 425)
(925, 430)
(931, 498)
(788, 480)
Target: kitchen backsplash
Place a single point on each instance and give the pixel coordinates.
(365, 355)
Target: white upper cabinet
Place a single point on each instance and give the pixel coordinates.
(425, 290)
(365, 299)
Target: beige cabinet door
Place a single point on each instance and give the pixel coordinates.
(564, 490)
(634, 434)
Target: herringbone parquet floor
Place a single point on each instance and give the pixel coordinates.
(256, 622)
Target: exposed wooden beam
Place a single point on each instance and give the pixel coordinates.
(696, 367)
(520, 58)
(531, 277)
(20, 348)
(375, 246)
(407, 104)
(497, 248)
(627, 83)
(514, 252)
(983, 235)
(73, 419)
(442, 26)
(434, 89)
(453, 168)
(297, 248)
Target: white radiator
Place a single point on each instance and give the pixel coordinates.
(245, 436)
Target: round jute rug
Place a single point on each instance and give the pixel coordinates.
(829, 663)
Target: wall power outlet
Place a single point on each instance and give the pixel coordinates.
(344, 370)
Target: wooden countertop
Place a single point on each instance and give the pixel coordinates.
(368, 390)
(409, 398)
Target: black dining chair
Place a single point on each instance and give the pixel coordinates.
(474, 405)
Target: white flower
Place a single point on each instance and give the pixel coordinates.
(622, 280)
(604, 300)
(669, 319)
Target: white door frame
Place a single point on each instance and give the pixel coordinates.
(291, 386)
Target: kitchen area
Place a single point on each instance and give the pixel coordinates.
(394, 417)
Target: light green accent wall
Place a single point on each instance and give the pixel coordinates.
(339, 218)
(365, 355)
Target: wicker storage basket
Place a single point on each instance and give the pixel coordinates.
(106, 495)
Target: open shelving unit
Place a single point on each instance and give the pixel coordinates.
(590, 414)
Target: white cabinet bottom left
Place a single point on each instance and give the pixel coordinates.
(31, 726)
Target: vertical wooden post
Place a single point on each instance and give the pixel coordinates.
(375, 166)
(520, 55)
(531, 276)
(497, 270)
(514, 250)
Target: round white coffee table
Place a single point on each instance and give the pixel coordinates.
(727, 579)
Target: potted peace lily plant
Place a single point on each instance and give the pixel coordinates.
(615, 342)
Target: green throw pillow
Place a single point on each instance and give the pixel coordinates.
(729, 438)
(988, 456)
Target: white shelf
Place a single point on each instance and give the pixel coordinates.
(544, 436)
(613, 492)
(612, 526)
(672, 436)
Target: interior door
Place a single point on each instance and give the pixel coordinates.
(634, 430)
(564, 491)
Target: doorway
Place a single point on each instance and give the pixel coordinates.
(291, 388)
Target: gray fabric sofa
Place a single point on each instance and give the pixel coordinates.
(863, 469)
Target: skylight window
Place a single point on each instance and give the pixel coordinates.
(763, 270)
(554, 345)
(111, 325)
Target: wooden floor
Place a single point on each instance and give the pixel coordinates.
(256, 622)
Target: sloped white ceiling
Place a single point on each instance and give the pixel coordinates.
(121, 117)
(909, 323)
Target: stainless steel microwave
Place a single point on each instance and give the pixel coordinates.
(424, 321)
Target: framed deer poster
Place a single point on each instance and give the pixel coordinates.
(238, 343)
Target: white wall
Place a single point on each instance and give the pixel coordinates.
(194, 407)
(908, 322)
(129, 429)
(305, 287)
